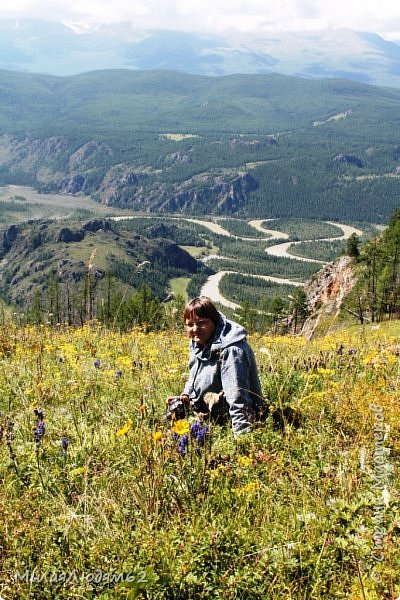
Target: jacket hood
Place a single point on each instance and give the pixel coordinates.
(226, 333)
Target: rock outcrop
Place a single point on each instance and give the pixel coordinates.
(97, 225)
(349, 159)
(224, 197)
(326, 292)
(67, 235)
(72, 185)
(7, 238)
(55, 164)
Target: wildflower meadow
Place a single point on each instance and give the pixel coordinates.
(102, 497)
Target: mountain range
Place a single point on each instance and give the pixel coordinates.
(245, 145)
(161, 122)
(55, 48)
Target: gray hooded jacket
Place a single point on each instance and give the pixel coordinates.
(225, 364)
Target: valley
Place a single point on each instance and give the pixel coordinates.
(211, 287)
(155, 166)
(171, 143)
(44, 205)
(224, 246)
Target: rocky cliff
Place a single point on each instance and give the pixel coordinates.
(326, 292)
(58, 165)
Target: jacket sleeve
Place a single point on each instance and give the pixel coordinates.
(188, 388)
(235, 378)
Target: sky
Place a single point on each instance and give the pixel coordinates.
(217, 16)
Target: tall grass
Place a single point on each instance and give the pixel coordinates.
(105, 499)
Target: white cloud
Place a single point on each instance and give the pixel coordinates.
(380, 16)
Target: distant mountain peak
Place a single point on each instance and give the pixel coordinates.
(71, 48)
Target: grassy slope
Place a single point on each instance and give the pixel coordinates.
(179, 286)
(273, 515)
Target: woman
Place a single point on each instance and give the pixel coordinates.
(223, 380)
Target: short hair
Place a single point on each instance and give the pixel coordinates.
(201, 307)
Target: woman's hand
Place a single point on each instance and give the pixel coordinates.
(183, 397)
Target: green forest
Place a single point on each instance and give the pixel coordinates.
(168, 142)
(127, 278)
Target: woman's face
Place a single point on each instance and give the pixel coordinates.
(200, 329)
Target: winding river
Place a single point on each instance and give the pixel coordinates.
(211, 287)
(281, 249)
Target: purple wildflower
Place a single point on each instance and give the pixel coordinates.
(198, 432)
(201, 435)
(97, 363)
(183, 444)
(40, 428)
(195, 428)
(118, 374)
(64, 446)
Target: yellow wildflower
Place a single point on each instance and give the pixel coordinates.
(180, 427)
(245, 461)
(310, 376)
(124, 362)
(370, 358)
(78, 471)
(124, 430)
(324, 371)
(157, 435)
(247, 489)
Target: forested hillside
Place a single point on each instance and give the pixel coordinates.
(376, 295)
(261, 145)
(75, 271)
